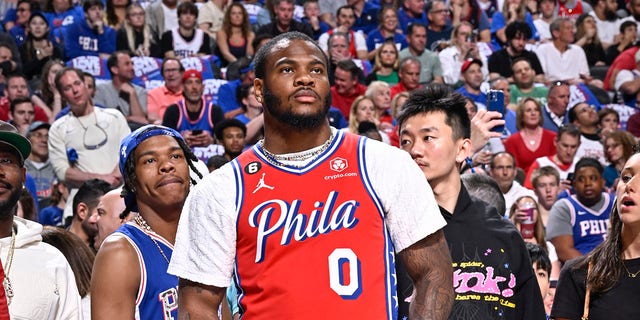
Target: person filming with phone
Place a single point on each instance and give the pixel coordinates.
(192, 116)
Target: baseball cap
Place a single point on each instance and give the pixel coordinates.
(37, 125)
(467, 63)
(191, 73)
(131, 141)
(10, 136)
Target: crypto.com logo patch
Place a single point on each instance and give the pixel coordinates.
(338, 164)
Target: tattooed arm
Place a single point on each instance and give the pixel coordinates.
(428, 262)
(198, 301)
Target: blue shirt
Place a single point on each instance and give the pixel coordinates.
(81, 40)
(369, 18)
(477, 98)
(376, 39)
(227, 99)
(404, 20)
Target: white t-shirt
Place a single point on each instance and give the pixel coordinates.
(170, 18)
(562, 66)
(205, 246)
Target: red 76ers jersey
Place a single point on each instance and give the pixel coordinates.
(311, 241)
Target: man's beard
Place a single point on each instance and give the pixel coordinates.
(610, 15)
(301, 122)
(7, 208)
(90, 230)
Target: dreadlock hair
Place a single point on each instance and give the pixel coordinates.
(130, 172)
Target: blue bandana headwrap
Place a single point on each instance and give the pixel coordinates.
(130, 142)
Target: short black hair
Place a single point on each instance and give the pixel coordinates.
(229, 123)
(585, 162)
(413, 26)
(90, 3)
(572, 112)
(187, 7)
(436, 97)
(366, 126)
(539, 256)
(262, 54)
(517, 28)
(17, 101)
(351, 67)
(112, 61)
(346, 6)
(627, 24)
(89, 193)
(216, 162)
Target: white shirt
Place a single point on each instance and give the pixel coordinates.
(451, 64)
(516, 191)
(205, 246)
(358, 37)
(562, 66)
(170, 18)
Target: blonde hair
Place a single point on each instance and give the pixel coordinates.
(353, 121)
(128, 28)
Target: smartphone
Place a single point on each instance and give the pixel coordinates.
(495, 102)
(124, 96)
(570, 176)
(196, 132)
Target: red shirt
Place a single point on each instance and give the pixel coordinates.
(325, 249)
(39, 114)
(625, 61)
(343, 103)
(398, 88)
(516, 146)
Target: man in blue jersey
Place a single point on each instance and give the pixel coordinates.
(579, 222)
(89, 37)
(155, 161)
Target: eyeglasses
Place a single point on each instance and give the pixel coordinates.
(22, 10)
(91, 140)
(440, 11)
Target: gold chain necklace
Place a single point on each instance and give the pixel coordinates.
(147, 230)
(630, 275)
(6, 283)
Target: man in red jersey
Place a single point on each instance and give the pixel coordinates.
(310, 217)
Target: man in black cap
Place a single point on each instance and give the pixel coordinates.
(38, 281)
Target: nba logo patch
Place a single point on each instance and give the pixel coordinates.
(338, 164)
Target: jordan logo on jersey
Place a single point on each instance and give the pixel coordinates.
(262, 184)
(325, 217)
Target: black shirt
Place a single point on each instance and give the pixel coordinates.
(500, 62)
(492, 272)
(621, 302)
(272, 28)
